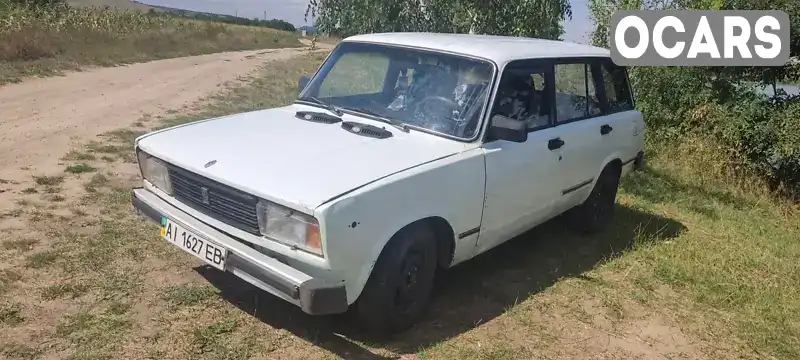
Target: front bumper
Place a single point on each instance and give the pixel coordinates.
(314, 296)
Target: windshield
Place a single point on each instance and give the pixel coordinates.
(434, 91)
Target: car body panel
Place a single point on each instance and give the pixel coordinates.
(275, 156)
(359, 224)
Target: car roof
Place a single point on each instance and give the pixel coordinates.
(500, 49)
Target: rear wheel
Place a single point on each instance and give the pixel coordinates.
(597, 212)
(399, 287)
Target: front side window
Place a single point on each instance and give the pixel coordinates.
(523, 96)
(439, 92)
(576, 96)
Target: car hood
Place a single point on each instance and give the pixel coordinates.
(296, 163)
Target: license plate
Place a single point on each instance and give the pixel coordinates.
(205, 250)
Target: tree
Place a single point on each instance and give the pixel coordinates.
(533, 18)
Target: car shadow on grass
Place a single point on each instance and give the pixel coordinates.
(470, 294)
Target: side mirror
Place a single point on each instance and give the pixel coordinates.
(302, 83)
(506, 128)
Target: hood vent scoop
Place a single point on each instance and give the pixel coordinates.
(366, 130)
(317, 117)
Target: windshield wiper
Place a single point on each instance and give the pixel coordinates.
(400, 126)
(329, 107)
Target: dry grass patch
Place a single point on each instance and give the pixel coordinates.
(7, 279)
(64, 290)
(11, 314)
(21, 245)
(75, 155)
(50, 181)
(47, 41)
(18, 351)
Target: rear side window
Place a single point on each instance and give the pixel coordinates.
(615, 82)
(576, 95)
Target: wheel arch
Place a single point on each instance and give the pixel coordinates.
(613, 161)
(614, 164)
(445, 243)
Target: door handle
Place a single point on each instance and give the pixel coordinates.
(605, 129)
(554, 144)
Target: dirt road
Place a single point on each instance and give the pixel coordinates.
(40, 119)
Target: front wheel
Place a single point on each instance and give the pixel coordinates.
(400, 284)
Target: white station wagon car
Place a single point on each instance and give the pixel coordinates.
(405, 154)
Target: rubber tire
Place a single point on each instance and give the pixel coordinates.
(596, 214)
(374, 307)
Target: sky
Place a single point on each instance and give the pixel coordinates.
(293, 11)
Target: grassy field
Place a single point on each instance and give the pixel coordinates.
(42, 42)
(117, 4)
(700, 264)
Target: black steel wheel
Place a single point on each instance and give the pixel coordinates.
(399, 287)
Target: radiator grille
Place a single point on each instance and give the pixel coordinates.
(222, 202)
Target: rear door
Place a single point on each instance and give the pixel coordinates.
(581, 125)
(627, 134)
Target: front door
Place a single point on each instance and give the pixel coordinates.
(521, 178)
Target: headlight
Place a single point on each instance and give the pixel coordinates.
(289, 227)
(155, 171)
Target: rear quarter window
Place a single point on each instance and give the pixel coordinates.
(617, 89)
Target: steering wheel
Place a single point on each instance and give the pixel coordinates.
(434, 108)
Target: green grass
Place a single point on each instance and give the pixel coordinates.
(187, 295)
(64, 290)
(41, 259)
(739, 256)
(79, 169)
(93, 336)
(44, 42)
